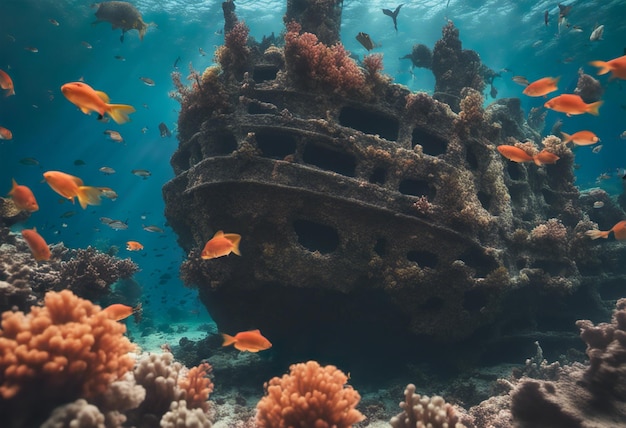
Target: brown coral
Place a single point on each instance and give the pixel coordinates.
(309, 396)
(69, 348)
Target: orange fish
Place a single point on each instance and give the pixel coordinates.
(5, 134)
(573, 104)
(6, 83)
(221, 245)
(619, 230)
(88, 99)
(545, 157)
(118, 312)
(581, 138)
(71, 187)
(134, 246)
(37, 244)
(251, 341)
(616, 66)
(541, 87)
(23, 198)
(514, 154)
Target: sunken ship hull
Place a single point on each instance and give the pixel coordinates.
(386, 218)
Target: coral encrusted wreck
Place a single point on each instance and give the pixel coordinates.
(368, 210)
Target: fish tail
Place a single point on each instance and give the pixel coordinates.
(236, 242)
(119, 112)
(594, 108)
(566, 137)
(88, 195)
(602, 65)
(537, 160)
(595, 234)
(228, 340)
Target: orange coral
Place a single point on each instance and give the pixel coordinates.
(309, 396)
(68, 348)
(197, 387)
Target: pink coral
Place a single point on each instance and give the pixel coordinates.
(329, 66)
(69, 348)
(309, 396)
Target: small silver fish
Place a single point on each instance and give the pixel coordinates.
(597, 34)
(598, 204)
(107, 170)
(143, 173)
(147, 81)
(151, 228)
(597, 148)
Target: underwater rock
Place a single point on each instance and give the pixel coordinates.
(376, 214)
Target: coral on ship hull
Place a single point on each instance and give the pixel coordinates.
(364, 217)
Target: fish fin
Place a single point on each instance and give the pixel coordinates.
(85, 110)
(602, 65)
(257, 331)
(228, 339)
(78, 181)
(235, 239)
(537, 160)
(88, 195)
(14, 185)
(566, 137)
(387, 12)
(103, 96)
(594, 108)
(119, 112)
(595, 234)
(219, 233)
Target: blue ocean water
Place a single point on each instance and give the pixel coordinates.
(510, 37)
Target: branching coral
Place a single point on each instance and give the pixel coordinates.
(312, 63)
(309, 396)
(89, 273)
(196, 386)
(234, 54)
(422, 411)
(68, 348)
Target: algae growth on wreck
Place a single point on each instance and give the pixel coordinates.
(402, 221)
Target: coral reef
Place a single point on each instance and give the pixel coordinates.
(310, 395)
(88, 273)
(62, 351)
(424, 411)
